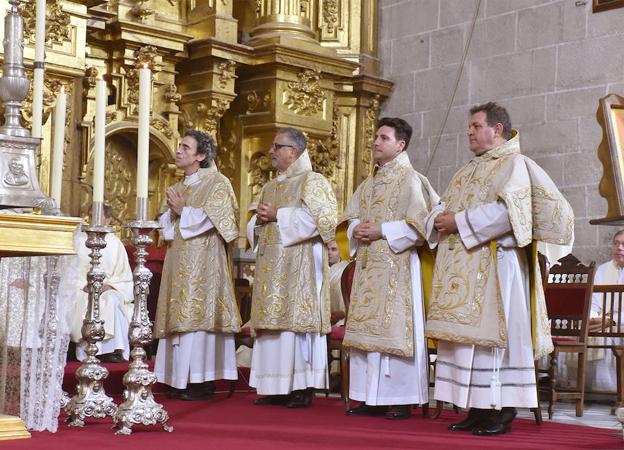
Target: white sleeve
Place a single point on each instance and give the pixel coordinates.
(433, 237)
(167, 226)
(353, 243)
(193, 222)
(400, 236)
(251, 233)
(296, 225)
(477, 226)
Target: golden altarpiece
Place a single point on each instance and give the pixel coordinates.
(237, 69)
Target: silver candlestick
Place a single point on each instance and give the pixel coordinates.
(90, 399)
(139, 406)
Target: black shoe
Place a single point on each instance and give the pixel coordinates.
(300, 399)
(507, 415)
(474, 419)
(114, 357)
(399, 412)
(492, 424)
(272, 400)
(208, 387)
(366, 410)
(195, 392)
(172, 392)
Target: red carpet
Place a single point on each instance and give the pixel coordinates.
(235, 423)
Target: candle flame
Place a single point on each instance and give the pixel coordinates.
(62, 89)
(145, 65)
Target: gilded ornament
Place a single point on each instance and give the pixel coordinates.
(305, 96)
(141, 10)
(256, 103)
(226, 72)
(146, 55)
(208, 116)
(171, 94)
(90, 77)
(323, 158)
(330, 14)
(370, 128)
(49, 100)
(58, 22)
(259, 173)
(162, 125)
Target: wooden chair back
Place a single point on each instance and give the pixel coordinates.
(568, 291)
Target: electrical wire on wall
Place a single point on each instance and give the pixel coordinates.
(457, 79)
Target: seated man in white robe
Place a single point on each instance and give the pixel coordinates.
(116, 299)
(600, 365)
(336, 268)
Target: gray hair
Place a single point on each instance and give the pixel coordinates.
(617, 233)
(205, 146)
(296, 137)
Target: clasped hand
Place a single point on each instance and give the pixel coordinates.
(266, 212)
(175, 201)
(367, 232)
(445, 222)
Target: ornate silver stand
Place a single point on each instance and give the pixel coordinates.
(139, 405)
(90, 399)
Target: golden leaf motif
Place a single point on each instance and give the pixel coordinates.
(305, 96)
(58, 22)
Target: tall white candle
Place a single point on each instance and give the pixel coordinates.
(38, 72)
(57, 147)
(99, 147)
(145, 105)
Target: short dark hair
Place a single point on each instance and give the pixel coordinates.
(205, 146)
(495, 113)
(402, 129)
(296, 137)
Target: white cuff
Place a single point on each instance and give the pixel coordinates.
(296, 225)
(193, 222)
(399, 235)
(353, 243)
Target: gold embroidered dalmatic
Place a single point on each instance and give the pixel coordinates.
(466, 305)
(196, 291)
(285, 296)
(380, 313)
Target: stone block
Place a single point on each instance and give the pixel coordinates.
(401, 100)
(549, 138)
(410, 54)
(513, 75)
(553, 166)
(590, 62)
(590, 134)
(541, 26)
(605, 23)
(577, 198)
(526, 110)
(457, 121)
(384, 52)
(493, 36)
(433, 87)
(444, 149)
(584, 233)
(574, 21)
(581, 168)
(418, 152)
(596, 205)
(497, 7)
(453, 12)
(576, 103)
(409, 18)
(415, 121)
(447, 46)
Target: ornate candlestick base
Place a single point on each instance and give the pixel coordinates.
(139, 405)
(91, 399)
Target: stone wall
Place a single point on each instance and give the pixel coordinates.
(548, 62)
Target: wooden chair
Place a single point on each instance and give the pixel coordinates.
(568, 292)
(334, 340)
(611, 298)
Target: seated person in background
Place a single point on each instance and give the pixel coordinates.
(116, 299)
(336, 268)
(600, 366)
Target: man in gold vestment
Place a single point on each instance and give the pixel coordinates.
(295, 217)
(197, 315)
(489, 321)
(385, 324)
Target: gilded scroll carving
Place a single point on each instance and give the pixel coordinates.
(58, 22)
(227, 72)
(258, 102)
(142, 10)
(259, 173)
(50, 88)
(305, 96)
(330, 14)
(208, 116)
(162, 125)
(370, 128)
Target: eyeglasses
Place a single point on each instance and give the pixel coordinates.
(275, 146)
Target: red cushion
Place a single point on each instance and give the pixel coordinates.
(564, 340)
(337, 333)
(245, 331)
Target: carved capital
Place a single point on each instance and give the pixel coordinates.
(147, 55)
(142, 10)
(227, 72)
(208, 115)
